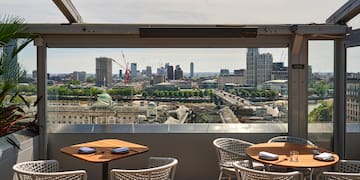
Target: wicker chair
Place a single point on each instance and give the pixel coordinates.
(244, 173)
(230, 150)
(344, 170)
(294, 140)
(291, 139)
(159, 168)
(46, 170)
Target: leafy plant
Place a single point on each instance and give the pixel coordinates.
(11, 111)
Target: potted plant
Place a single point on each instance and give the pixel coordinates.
(13, 106)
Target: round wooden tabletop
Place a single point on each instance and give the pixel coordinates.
(305, 157)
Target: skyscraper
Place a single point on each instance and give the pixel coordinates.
(178, 72)
(148, 71)
(133, 70)
(170, 72)
(251, 58)
(191, 69)
(120, 73)
(104, 72)
(258, 67)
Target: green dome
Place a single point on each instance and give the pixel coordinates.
(103, 100)
(106, 98)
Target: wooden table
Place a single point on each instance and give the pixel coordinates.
(103, 152)
(305, 157)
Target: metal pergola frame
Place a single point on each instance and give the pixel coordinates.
(295, 37)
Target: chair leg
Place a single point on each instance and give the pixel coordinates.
(220, 175)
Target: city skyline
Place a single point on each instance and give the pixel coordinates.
(205, 60)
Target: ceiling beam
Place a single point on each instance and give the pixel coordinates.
(69, 11)
(345, 13)
(134, 29)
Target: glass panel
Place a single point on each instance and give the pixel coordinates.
(353, 86)
(167, 86)
(321, 92)
(18, 85)
(354, 22)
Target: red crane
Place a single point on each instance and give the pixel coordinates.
(126, 68)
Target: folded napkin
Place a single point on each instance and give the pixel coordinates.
(268, 156)
(120, 150)
(86, 150)
(324, 157)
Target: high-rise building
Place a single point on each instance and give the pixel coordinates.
(120, 73)
(79, 75)
(191, 69)
(133, 69)
(148, 71)
(104, 72)
(9, 48)
(161, 71)
(258, 67)
(251, 59)
(178, 72)
(170, 72)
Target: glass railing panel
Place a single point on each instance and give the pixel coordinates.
(321, 91)
(160, 86)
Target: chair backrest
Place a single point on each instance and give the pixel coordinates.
(339, 176)
(160, 169)
(162, 161)
(46, 169)
(291, 139)
(230, 150)
(348, 166)
(244, 173)
(344, 169)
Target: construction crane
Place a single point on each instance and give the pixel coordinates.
(126, 68)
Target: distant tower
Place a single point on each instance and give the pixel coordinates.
(178, 72)
(251, 61)
(133, 70)
(258, 67)
(191, 69)
(264, 68)
(120, 73)
(10, 48)
(148, 71)
(170, 73)
(104, 72)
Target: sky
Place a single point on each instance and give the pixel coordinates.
(178, 12)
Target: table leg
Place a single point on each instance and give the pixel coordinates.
(311, 173)
(105, 170)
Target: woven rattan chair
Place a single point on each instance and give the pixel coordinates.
(46, 170)
(344, 170)
(291, 139)
(294, 140)
(159, 168)
(230, 150)
(244, 173)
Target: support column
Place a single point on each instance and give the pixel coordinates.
(340, 100)
(297, 82)
(42, 93)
